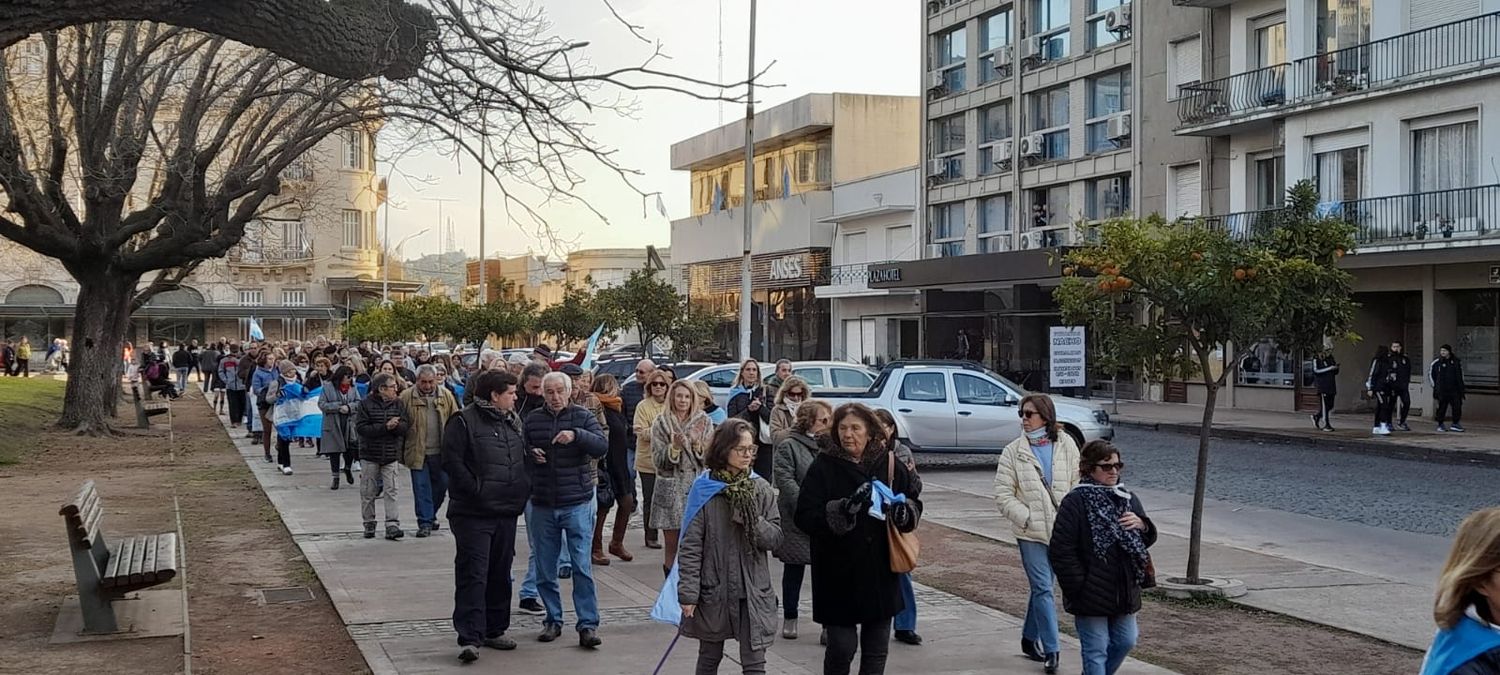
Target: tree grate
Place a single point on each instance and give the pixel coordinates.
(284, 596)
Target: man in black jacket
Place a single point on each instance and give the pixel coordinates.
(484, 455)
(1446, 376)
(381, 422)
(1401, 386)
(182, 362)
(563, 438)
(1325, 377)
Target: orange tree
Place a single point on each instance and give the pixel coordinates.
(1201, 287)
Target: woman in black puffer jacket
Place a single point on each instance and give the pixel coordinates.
(1098, 552)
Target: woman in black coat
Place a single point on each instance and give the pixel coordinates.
(855, 594)
(1098, 552)
(615, 471)
(751, 400)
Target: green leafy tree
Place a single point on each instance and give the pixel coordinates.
(573, 319)
(373, 323)
(645, 302)
(501, 318)
(1202, 288)
(431, 317)
(693, 330)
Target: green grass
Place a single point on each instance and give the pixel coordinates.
(27, 406)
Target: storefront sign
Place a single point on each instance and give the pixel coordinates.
(887, 275)
(1495, 274)
(1069, 361)
(787, 267)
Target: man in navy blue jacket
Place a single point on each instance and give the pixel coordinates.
(564, 440)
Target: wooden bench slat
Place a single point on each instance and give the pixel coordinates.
(72, 508)
(138, 560)
(166, 557)
(148, 567)
(119, 562)
(89, 527)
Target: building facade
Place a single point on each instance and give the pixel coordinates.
(1383, 106)
(803, 149)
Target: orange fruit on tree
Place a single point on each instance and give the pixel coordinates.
(1239, 274)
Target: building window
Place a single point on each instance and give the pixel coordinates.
(1109, 198)
(1099, 33)
(1049, 207)
(994, 36)
(1268, 39)
(1445, 157)
(994, 224)
(294, 298)
(948, 229)
(1187, 194)
(948, 139)
(1477, 340)
(1262, 364)
(1270, 181)
(1342, 23)
(1049, 117)
(814, 166)
(1109, 95)
(354, 229)
(252, 298)
(1341, 174)
(949, 53)
(855, 250)
(898, 242)
(1186, 63)
(994, 127)
(1050, 19)
(357, 150)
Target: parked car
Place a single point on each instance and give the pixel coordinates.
(624, 368)
(683, 369)
(823, 377)
(961, 406)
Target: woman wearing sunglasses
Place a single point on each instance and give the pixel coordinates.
(652, 403)
(1099, 554)
(1035, 473)
(793, 393)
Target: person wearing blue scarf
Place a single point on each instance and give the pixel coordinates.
(1468, 601)
(751, 400)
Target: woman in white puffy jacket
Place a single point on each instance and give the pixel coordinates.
(1035, 472)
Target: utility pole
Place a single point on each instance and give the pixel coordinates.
(745, 286)
(484, 286)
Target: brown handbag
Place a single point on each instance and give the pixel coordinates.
(904, 545)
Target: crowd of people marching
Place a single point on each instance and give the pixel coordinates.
(773, 473)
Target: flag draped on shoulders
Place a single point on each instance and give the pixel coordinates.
(667, 609)
(296, 413)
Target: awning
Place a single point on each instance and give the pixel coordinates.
(981, 270)
(363, 285)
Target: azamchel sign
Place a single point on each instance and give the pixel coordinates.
(1068, 365)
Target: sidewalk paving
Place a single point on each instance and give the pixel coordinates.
(396, 599)
(1479, 444)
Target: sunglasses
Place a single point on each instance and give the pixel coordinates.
(658, 384)
(1028, 414)
(1117, 466)
(796, 394)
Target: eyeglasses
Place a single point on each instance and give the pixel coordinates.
(654, 385)
(796, 394)
(1028, 414)
(1117, 466)
(745, 450)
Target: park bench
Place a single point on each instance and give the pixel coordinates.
(145, 410)
(107, 569)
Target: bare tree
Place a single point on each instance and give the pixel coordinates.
(132, 152)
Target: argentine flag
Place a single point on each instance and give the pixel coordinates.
(667, 609)
(593, 348)
(296, 414)
(255, 332)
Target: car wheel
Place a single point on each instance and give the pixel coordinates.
(1075, 433)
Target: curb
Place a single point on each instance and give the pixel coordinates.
(1352, 446)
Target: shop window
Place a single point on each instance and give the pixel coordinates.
(1262, 364)
(924, 387)
(1477, 340)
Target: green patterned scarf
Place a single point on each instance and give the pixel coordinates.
(740, 491)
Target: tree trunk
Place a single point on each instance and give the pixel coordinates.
(99, 321)
(1200, 484)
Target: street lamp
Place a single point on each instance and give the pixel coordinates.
(385, 266)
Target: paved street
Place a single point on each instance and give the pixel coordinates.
(1331, 537)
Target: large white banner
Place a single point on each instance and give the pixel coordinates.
(1069, 364)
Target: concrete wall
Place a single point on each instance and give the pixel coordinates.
(874, 134)
(779, 225)
(1156, 113)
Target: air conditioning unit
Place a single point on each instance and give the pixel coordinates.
(1033, 145)
(1036, 49)
(1117, 20)
(1003, 151)
(936, 83)
(1118, 127)
(933, 6)
(1032, 240)
(934, 250)
(937, 168)
(1003, 57)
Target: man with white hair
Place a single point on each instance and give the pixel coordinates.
(563, 439)
(430, 405)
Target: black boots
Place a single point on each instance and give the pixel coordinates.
(1030, 650)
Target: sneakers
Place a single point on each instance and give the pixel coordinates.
(393, 532)
(286, 471)
(1029, 648)
(789, 629)
(1328, 428)
(1442, 427)
(1402, 426)
(500, 642)
(909, 637)
(550, 632)
(532, 606)
(1380, 430)
(588, 638)
(468, 654)
(356, 465)
(1456, 428)
(1317, 420)
(369, 530)
(423, 532)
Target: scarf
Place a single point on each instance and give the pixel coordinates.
(696, 429)
(872, 462)
(1105, 505)
(612, 401)
(740, 491)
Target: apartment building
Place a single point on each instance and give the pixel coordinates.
(1382, 104)
(804, 150)
(299, 270)
(1032, 125)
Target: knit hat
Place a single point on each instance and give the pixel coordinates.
(571, 369)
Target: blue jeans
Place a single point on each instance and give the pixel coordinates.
(1106, 641)
(1041, 610)
(528, 585)
(182, 376)
(429, 487)
(907, 619)
(571, 529)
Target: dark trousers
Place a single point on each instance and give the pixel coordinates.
(791, 588)
(481, 593)
(873, 640)
(283, 451)
(648, 488)
(763, 457)
(1325, 410)
(1443, 403)
(333, 461)
(1383, 404)
(23, 367)
(236, 406)
(1401, 399)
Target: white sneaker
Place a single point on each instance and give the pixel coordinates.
(286, 471)
(356, 466)
(1380, 431)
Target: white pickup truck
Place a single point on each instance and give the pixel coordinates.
(960, 406)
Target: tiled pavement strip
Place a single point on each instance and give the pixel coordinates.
(396, 597)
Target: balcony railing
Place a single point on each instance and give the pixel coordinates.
(1409, 56)
(1457, 214)
(271, 255)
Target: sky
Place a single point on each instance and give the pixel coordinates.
(859, 46)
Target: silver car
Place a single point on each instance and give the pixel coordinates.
(823, 377)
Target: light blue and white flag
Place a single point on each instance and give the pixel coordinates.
(296, 414)
(255, 332)
(593, 348)
(667, 609)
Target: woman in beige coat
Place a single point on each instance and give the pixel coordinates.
(679, 437)
(724, 574)
(792, 393)
(1035, 472)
